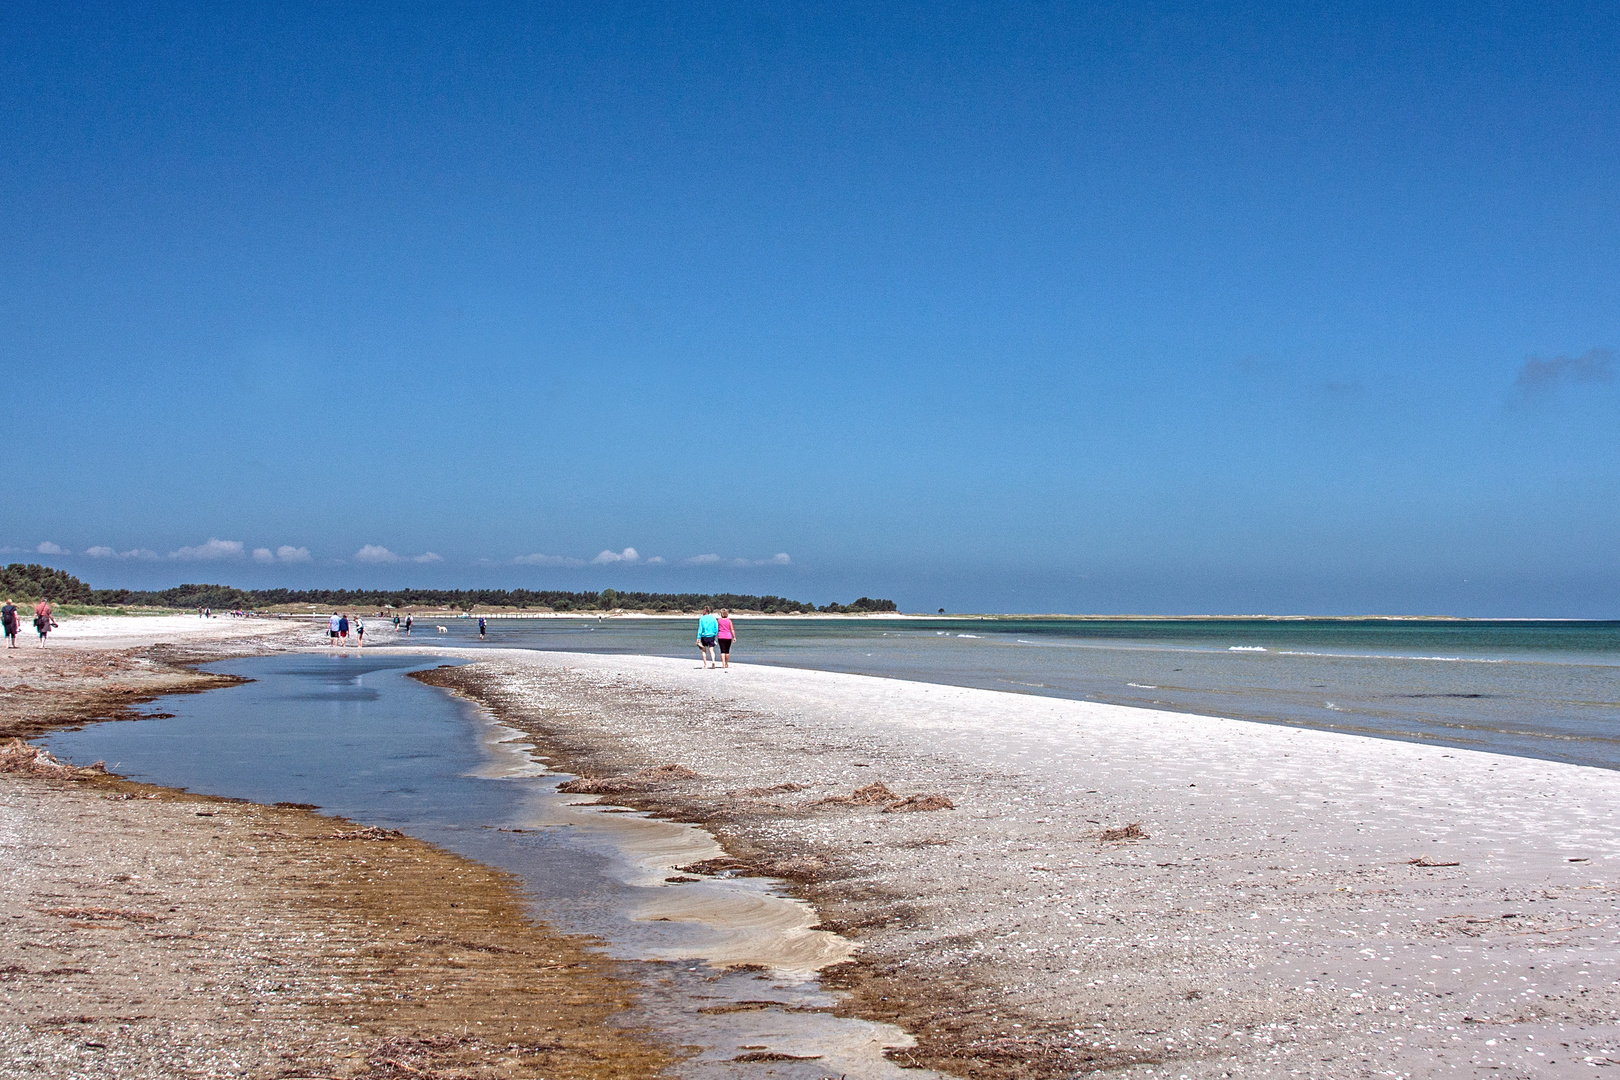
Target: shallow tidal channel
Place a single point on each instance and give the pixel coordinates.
(357, 738)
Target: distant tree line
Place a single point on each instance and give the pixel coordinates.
(32, 581)
(35, 581)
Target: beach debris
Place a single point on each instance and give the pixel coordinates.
(795, 866)
(17, 756)
(725, 864)
(612, 785)
(873, 794)
(682, 879)
(621, 785)
(667, 772)
(878, 794)
(1133, 831)
(369, 832)
(746, 1005)
(101, 914)
(913, 804)
(762, 792)
(1427, 863)
(394, 1059)
(771, 1055)
(798, 867)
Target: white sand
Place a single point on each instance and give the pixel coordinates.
(133, 631)
(1272, 924)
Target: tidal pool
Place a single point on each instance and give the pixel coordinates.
(355, 737)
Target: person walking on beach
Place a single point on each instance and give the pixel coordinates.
(359, 633)
(42, 619)
(343, 632)
(332, 629)
(8, 618)
(480, 628)
(407, 626)
(708, 631)
(727, 634)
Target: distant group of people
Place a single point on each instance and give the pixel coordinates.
(715, 635)
(44, 622)
(338, 627)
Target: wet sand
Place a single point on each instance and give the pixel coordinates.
(150, 933)
(1288, 901)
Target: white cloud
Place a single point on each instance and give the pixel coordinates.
(376, 553)
(288, 553)
(779, 559)
(628, 555)
(656, 560)
(102, 551)
(263, 555)
(214, 549)
(538, 559)
(48, 548)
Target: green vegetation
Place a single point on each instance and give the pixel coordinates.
(863, 606)
(31, 582)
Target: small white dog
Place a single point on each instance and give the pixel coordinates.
(443, 630)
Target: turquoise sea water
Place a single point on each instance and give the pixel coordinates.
(1537, 689)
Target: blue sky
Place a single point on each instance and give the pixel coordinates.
(1167, 308)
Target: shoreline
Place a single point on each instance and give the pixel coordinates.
(1013, 938)
(140, 919)
(1288, 898)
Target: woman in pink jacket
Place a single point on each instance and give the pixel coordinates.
(728, 634)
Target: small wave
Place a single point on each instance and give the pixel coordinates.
(1245, 648)
(975, 637)
(1141, 686)
(1330, 705)
(1391, 656)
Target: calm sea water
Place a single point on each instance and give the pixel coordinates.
(1536, 689)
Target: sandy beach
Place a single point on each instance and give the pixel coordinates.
(151, 933)
(1289, 903)
(1110, 889)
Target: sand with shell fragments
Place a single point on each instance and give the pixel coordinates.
(1290, 902)
(149, 933)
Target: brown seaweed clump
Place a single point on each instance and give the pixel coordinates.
(1133, 831)
(912, 804)
(878, 794)
(17, 756)
(667, 772)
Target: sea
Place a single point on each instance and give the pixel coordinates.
(1543, 689)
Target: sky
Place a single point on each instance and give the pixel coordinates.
(1155, 308)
